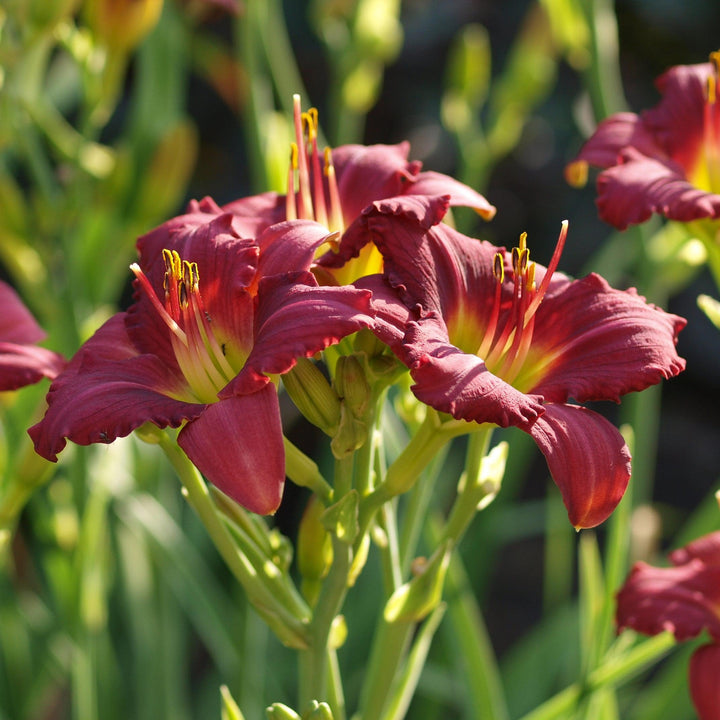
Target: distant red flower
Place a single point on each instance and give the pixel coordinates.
(22, 362)
(334, 187)
(491, 337)
(666, 160)
(685, 600)
(214, 318)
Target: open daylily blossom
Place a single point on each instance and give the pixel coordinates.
(666, 160)
(334, 187)
(684, 599)
(492, 337)
(22, 362)
(214, 317)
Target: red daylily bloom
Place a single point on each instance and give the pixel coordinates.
(494, 338)
(214, 316)
(22, 362)
(666, 160)
(684, 599)
(334, 188)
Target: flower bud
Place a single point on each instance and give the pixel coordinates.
(122, 24)
(351, 384)
(414, 600)
(230, 709)
(278, 711)
(319, 711)
(314, 549)
(313, 396)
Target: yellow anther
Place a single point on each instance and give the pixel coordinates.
(499, 267)
(530, 280)
(327, 156)
(309, 122)
(522, 243)
(710, 89)
(715, 60)
(293, 155)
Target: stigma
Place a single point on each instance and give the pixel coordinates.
(200, 356)
(312, 191)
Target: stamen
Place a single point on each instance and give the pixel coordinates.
(162, 312)
(552, 266)
(290, 206)
(499, 274)
(305, 199)
(318, 190)
(336, 216)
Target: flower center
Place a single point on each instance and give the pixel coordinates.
(317, 197)
(708, 172)
(201, 357)
(508, 336)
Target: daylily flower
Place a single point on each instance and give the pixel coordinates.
(334, 187)
(22, 362)
(494, 338)
(215, 317)
(684, 599)
(666, 160)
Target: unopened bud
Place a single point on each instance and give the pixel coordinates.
(122, 24)
(351, 384)
(230, 709)
(350, 435)
(318, 711)
(313, 396)
(414, 600)
(278, 711)
(314, 549)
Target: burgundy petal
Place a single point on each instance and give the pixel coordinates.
(237, 444)
(598, 343)
(368, 173)
(683, 600)
(433, 183)
(22, 365)
(289, 246)
(391, 315)
(706, 549)
(252, 214)
(108, 391)
(458, 383)
(17, 325)
(588, 460)
(631, 191)
(614, 134)
(704, 677)
(295, 318)
(677, 122)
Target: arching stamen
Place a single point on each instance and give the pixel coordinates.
(153, 298)
(304, 199)
(290, 206)
(318, 189)
(499, 274)
(336, 216)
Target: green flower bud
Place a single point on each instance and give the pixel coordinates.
(351, 384)
(314, 549)
(313, 396)
(278, 711)
(122, 24)
(414, 600)
(350, 435)
(229, 709)
(320, 711)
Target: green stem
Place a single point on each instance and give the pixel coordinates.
(603, 78)
(466, 503)
(314, 671)
(486, 699)
(260, 587)
(304, 472)
(389, 646)
(611, 674)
